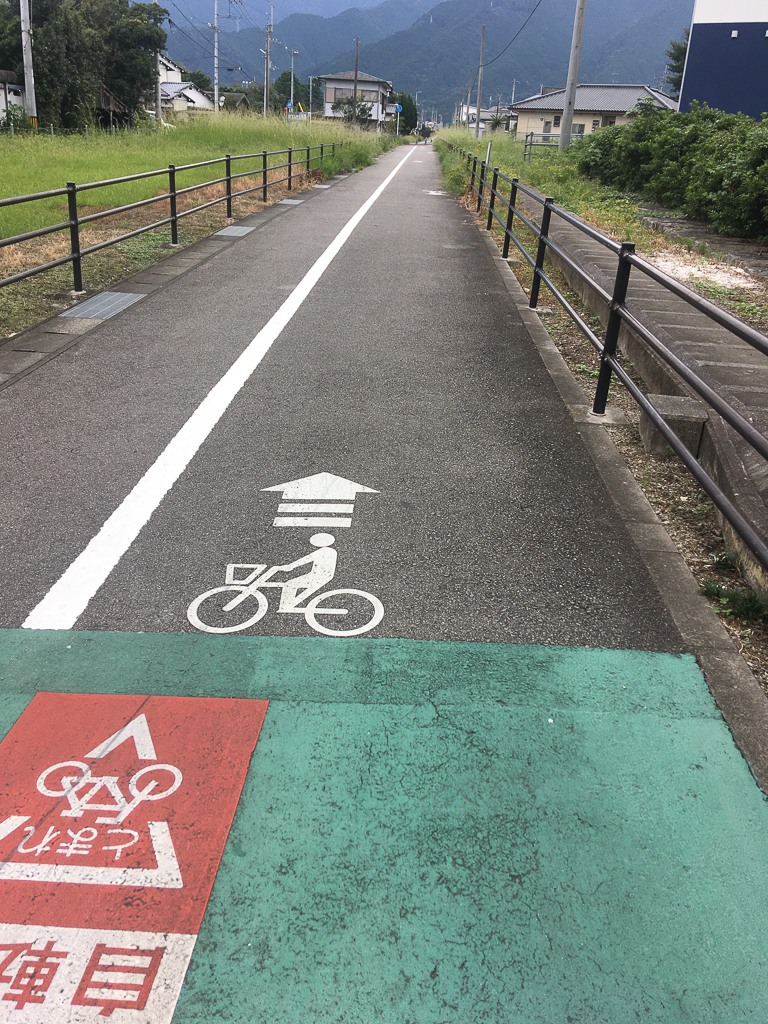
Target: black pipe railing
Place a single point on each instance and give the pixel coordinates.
(75, 220)
(487, 180)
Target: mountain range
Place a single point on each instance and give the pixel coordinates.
(433, 50)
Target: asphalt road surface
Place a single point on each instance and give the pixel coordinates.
(490, 783)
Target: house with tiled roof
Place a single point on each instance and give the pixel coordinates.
(369, 90)
(184, 98)
(596, 106)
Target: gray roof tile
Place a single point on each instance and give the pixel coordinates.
(614, 98)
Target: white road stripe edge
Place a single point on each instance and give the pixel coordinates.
(69, 596)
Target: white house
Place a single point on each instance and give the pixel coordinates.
(170, 71)
(369, 90)
(184, 98)
(466, 114)
(179, 97)
(596, 107)
(11, 93)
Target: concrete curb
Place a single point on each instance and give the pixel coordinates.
(24, 352)
(739, 697)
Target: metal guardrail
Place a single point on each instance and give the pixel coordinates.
(297, 158)
(547, 140)
(484, 183)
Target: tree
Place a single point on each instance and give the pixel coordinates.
(280, 92)
(198, 78)
(344, 107)
(409, 116)
(130, 40)
(78, 46)
(676, 52)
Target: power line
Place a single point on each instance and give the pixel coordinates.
(517, 34)
(204, 48)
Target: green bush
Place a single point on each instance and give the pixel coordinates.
(706, 163)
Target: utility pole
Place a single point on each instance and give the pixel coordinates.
(480, 85)
(26, 48)
(310, 98)
(354, 87)
(294, 53)
(266, 58)
(573, 76)
(216, 54)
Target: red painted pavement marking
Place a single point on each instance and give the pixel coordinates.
(114, 814)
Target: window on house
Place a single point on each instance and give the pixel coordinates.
(596, 123)
(556, 121)
(735, 34)
(330, 94)
(547, 127)
(577, 129)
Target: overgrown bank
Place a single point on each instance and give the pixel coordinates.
(710, 165)
(43, 163)
(685, 511)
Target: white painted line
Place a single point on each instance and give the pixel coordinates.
(312, 521)
(165, 876)
(315, 507)
(70, 595)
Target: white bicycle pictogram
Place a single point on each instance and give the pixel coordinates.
(240, 603)
(81, 790)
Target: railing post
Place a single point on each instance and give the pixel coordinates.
(322, 152)
(290, 169)
(541, 252)
(483, 170)
(74, 236)
(493, 198)
(472, 179)
(620, 286)
(172, 197)
(308, 162)
(264, 177)
(228, 160)
(510, 218)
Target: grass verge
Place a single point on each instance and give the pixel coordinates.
(683, 508)
(29, 302)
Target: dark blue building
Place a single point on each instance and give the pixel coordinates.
(727, 64)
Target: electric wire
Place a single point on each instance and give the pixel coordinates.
(485, 65)
(204, 48)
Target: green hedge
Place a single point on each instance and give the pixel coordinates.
(706, 163)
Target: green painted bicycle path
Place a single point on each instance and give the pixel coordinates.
(459, 832)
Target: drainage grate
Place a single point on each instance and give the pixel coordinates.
(103, 306)
(234, 232)
(290, 202)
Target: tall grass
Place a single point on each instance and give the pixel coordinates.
(41, 163)
(553, 174)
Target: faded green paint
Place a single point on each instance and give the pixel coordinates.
(417, 841)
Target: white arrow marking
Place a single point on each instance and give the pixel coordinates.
(327, 492)
(321, 486)
(138, 731)
(166, 875)
(70, 595)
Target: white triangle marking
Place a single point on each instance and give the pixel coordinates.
(138, 731)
